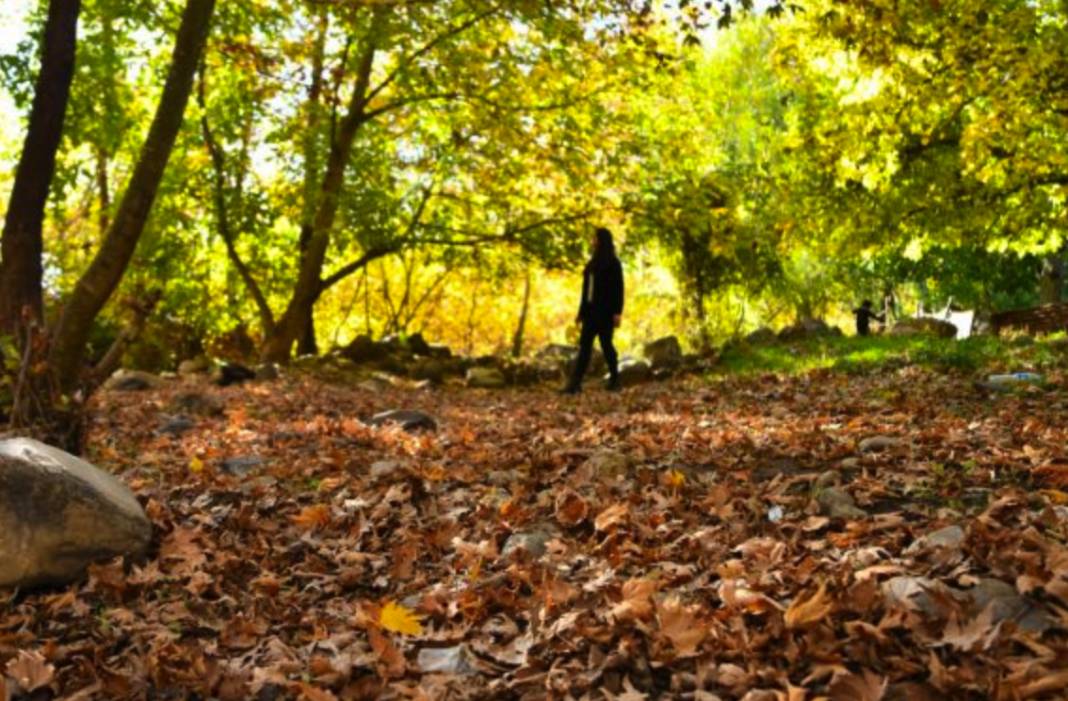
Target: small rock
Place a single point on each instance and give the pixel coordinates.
(761, 337)
(837, 503)
(418, 345)
(924, 327)
(380, 469)
(633, 372)
(1006, 604)
(363, 349)
(132, 381)
(267, 372)
(176, 426)
(241, 465)
(850, 464)
(911, 593)
(664, 353)
(877, 444)
(607, 464)
(485, 378)
(827, 480)
(408, 420)
(534, 542)
(198, 404)
(445, 660)
(59, 514)
(948, 538)
(233, 374)
(194, 366)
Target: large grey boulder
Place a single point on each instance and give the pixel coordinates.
(664, 353)
(59, 514)
(633, 372)
(924, 327)
(132, 381)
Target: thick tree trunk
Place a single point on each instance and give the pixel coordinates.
(308, 287)
(105, 272)
(21, 247)
(307, 345)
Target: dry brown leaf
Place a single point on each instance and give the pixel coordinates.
(313, 517)
(816, 608)
(571, 509)
(612, 516)
(30, 670)
(637, 600)
(682, 625)
(868, 686)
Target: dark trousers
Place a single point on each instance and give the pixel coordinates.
(590, 331)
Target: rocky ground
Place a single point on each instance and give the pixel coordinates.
(899, 535)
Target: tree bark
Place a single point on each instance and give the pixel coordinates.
(103, 275)
(517, 339)
(1051, 282)
(21, 247)
(294, 321)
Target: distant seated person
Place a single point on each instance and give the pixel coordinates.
(864, 316)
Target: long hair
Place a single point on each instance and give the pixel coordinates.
(606, 249)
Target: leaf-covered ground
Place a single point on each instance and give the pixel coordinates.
(714, 554)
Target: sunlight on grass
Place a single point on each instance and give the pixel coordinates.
(856, 354)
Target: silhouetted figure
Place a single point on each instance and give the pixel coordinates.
(864, 316)
(600, 310)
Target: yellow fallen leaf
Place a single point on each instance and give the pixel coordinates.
(676, 478)
(398, 619)
(1056, 496)
(816, 608)
(196, 465)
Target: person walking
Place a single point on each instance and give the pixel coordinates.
(600, 310)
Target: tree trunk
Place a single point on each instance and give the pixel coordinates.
(1051, 282)
(105, 272)
(307, 345)
(308, 287)
(21, 247)
(517, 340)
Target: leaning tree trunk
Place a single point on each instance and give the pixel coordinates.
(105, 272)
(521, 325)
(309, 285)
(21, 246)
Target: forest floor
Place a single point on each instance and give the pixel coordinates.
(896, 533)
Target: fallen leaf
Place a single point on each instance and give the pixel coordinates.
(812, 610)
(398, 619)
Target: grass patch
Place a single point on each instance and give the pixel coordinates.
(854, 354)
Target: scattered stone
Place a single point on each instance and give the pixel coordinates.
(924, 327)
(418, 345)
(850, 464)
(827, 479)
(198, 404)
(761, 337)
(485, 378)
(445, 660)
(664, 353)
(241, 465)
(607, 463)
(195, 366)
(948, 538)
(915, 594)
(534, 542)
(381, 469)
(267, 372)
(364, 349)
(176, 426)
(410, 421)
(1006, 604)
(633, 372)
(59, 514)
(808, 328)
(233, 374)
(436, 350)
(838, 503)
(877, 444)
(132, 381)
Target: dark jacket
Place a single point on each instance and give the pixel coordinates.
(606, 300)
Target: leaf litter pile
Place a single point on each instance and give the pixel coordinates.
(893, 536)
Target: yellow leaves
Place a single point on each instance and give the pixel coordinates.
(1055, 496)
(676, 479)
(812, 610)
(313, 517)
(399, 619)
(196, 465)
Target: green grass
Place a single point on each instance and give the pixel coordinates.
(981, 354)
